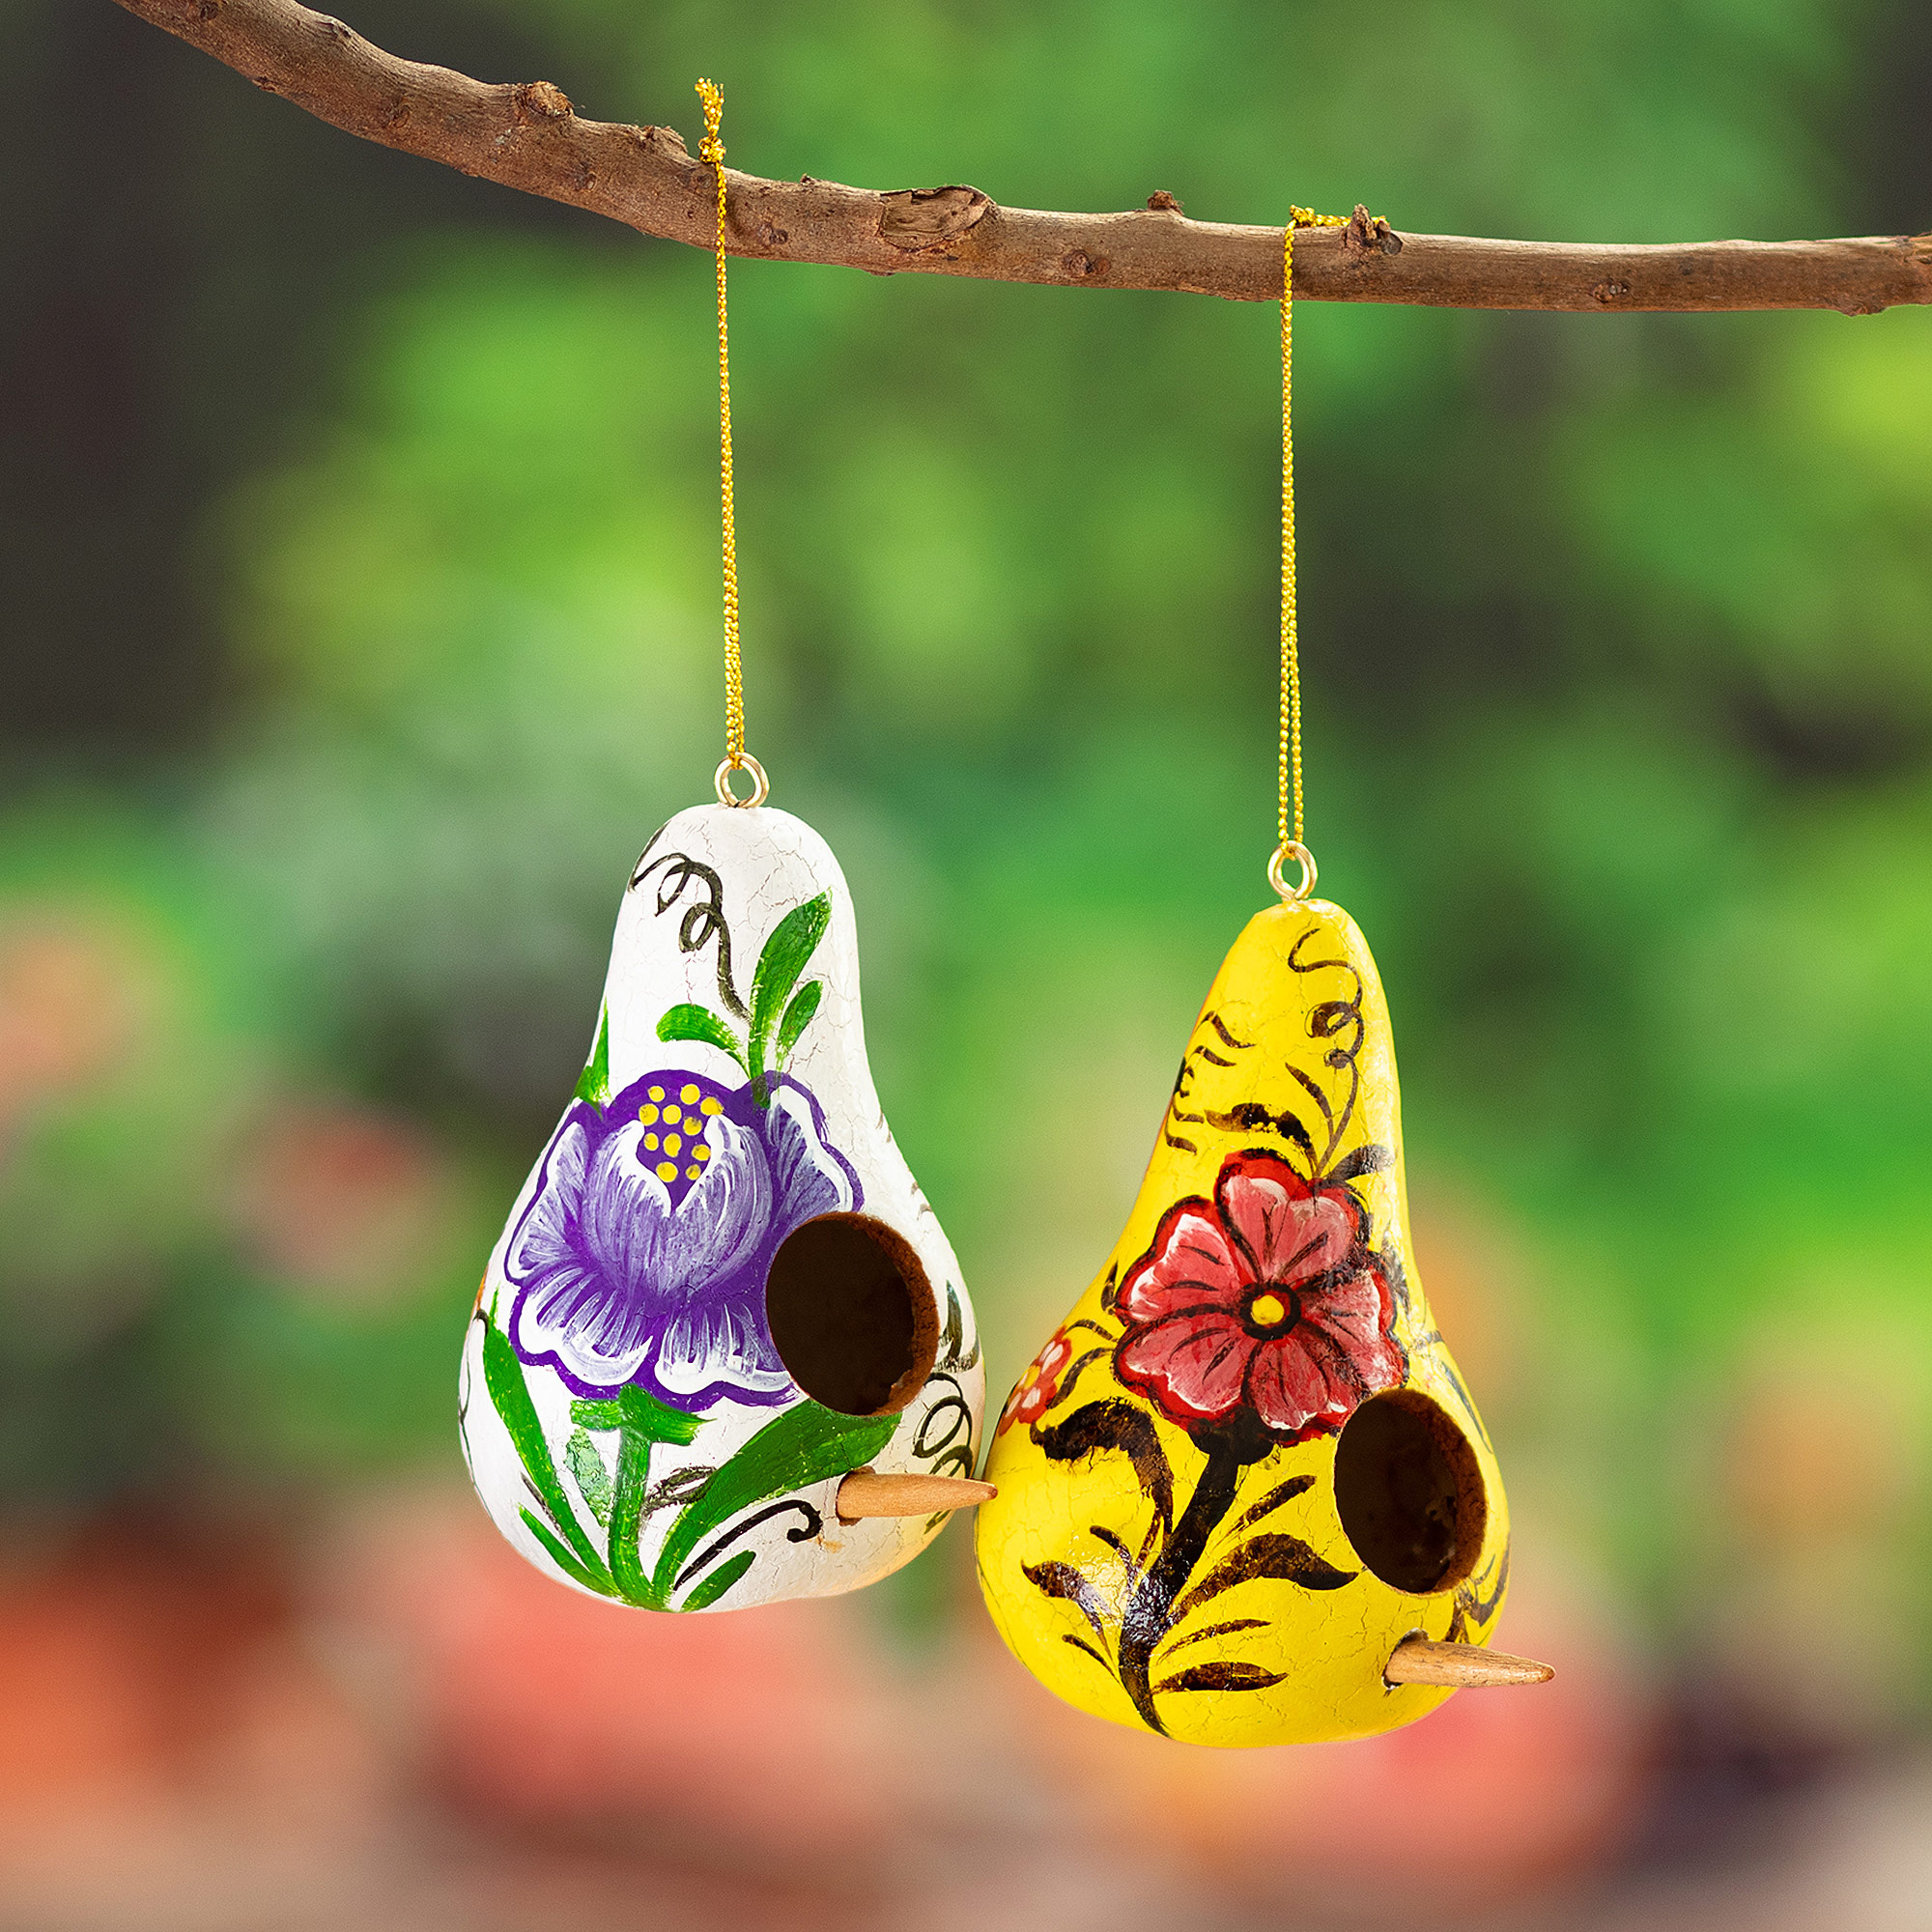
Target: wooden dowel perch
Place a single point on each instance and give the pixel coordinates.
(862, 1494)
(1460, 1666)
(526, 135)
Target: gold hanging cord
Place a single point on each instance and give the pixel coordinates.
(1289, 843)
(736, 758)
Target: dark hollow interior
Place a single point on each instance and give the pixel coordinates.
(1409, 1490)
(852, 1313)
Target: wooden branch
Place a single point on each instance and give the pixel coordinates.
(528, 136)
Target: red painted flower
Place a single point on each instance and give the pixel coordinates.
(1036, 1391)
(1263, 1303)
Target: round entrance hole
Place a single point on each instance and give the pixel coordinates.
(852, 1313)
(1410, 1492)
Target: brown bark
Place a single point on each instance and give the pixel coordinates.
(526, 135)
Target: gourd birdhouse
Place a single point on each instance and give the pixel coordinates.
(721, 1292)
(1245, 1469)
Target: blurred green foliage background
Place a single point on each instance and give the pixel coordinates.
(359, 532)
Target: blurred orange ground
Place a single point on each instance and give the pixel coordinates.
(407, 1726)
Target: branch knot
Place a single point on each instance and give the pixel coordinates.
(541, 100)
(923, 220)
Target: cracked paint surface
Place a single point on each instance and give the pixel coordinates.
(1288, 1642)
(767, 866)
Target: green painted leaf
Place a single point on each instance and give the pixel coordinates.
(640, 1421)
(719, 1581)
(636, 1408)
(593, 1084)
(793, 941)
(805, 1445)
(562, 1558)
(627, 1516)
(689, 1022)
(798, 1016)
(593, 1479)
(503, 1377)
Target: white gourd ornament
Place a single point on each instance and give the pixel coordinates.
(721, 1354)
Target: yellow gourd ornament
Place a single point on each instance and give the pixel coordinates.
(1243, 1496)
(1245, 1467)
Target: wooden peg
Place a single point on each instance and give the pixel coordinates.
(865, 1494)
(1460, 1666)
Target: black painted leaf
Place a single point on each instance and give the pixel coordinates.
(1373, 1158)
(1219, 1630)
(955, 1339)
(1289, 1127)
(1115, 1425)
(1283, 1559)
(1064, 1581)
(1081, 1364)
(1222, 1677)
(1275, 1499)
(1251, 1115)
(1081, 1643)
(684, 1485)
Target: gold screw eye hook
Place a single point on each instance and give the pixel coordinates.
(761, 786)
(1292, 849)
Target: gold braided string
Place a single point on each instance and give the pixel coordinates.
(1288, 833)
(711, 151)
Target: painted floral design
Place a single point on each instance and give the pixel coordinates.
(638, 1273)
(642, 1255)
(1257, 1319)
(1262, 1305)
(1038, 1389)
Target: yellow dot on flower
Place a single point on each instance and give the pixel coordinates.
(673, 1113)
(700, 1151)
(712, 1107)
(647, 1115)
(692, 1173)
(667, 1170)
(650, 1140)
(656, 1093)
(673, 1144)
(1266, 1309)
(688, 1094)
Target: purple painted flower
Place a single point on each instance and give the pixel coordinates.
(643, 1253)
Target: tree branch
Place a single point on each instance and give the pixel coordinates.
(528, 136)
